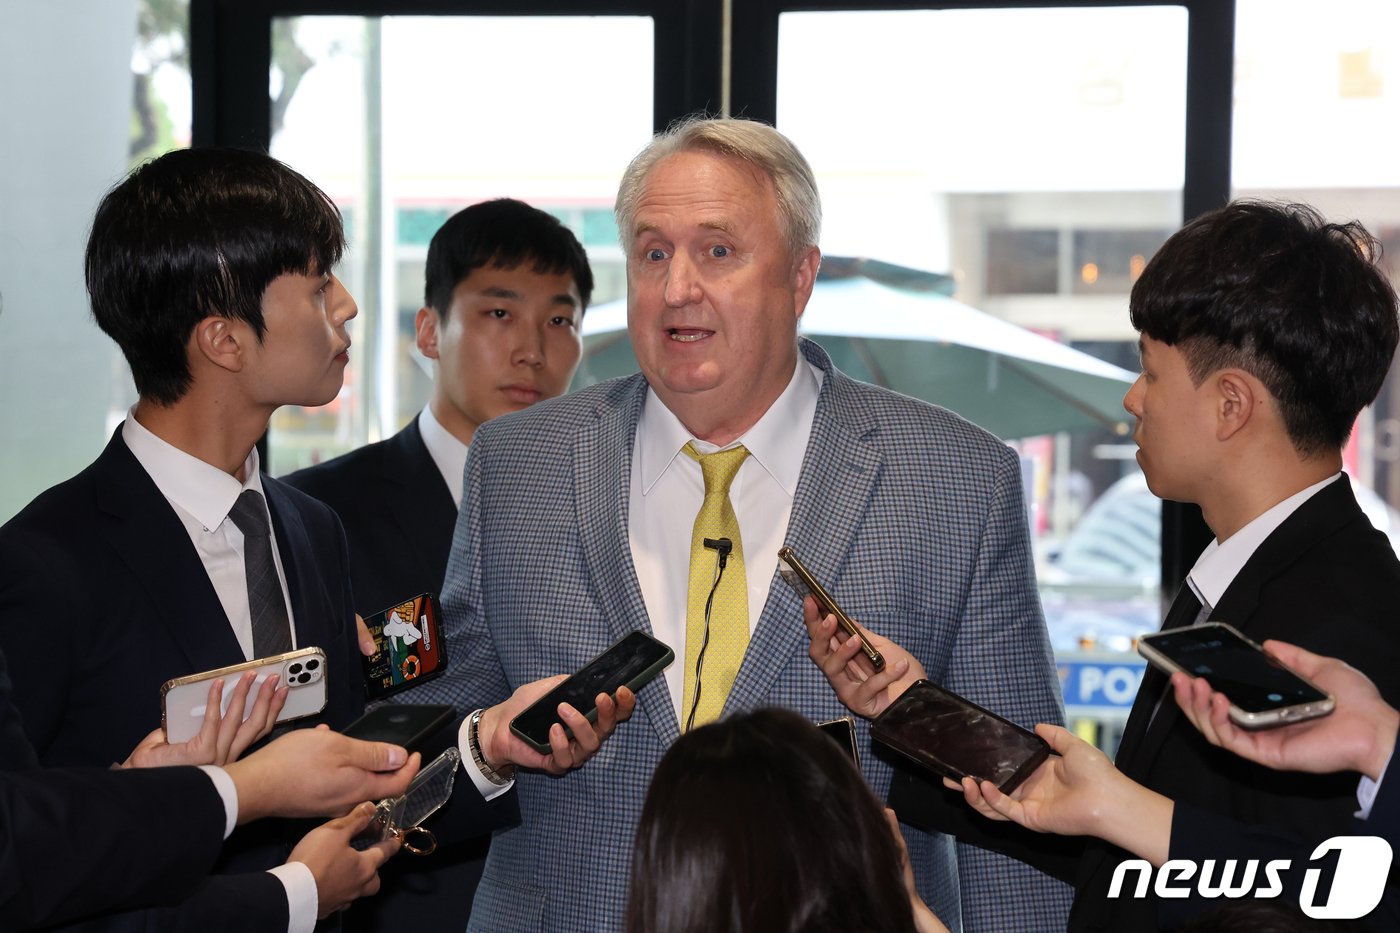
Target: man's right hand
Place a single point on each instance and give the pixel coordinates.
(863, 691)
(342, 872)
(317, 772)
(1359, 735)
(1076, 792)
(568, 750)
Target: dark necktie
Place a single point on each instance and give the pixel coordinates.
(1186, 609)
(271, 628)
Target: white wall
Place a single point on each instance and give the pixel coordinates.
(65, 97)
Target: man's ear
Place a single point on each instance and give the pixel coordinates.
(425, 327)
(804, 276)
(222, 341)
(1238, 394)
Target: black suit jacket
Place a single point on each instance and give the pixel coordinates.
(103, 599)
(398, 516)
(1325, 580)
(76, 841)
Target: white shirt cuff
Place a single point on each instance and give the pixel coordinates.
(300, 885)
(484, 785)
(228, 792)
(1366, 793)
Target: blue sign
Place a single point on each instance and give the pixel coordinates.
(1100, 683)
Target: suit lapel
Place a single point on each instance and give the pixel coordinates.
(840, 469)
(603, 472)
(148, 537)
(1184, 609)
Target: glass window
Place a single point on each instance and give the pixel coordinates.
(406, 120)
(84, 98)
(1009, 150)
(1109, 261)
(1023, 262)
(1317, 119)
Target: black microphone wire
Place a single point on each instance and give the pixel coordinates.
(723, 546)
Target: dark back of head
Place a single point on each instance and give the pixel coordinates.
(503, 233)
(195, 233)
(760, 824)
(1275, 290)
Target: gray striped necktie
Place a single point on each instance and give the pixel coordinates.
(271, 628)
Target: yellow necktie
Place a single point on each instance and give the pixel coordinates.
(729, 612)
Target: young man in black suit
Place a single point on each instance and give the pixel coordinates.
(507, 286)
(171, 554)
(1264, 332)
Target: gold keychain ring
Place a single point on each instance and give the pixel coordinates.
(419, 847)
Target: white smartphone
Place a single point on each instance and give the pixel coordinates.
(184, 700)
(1262, 692)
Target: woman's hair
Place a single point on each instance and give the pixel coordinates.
(761, 824)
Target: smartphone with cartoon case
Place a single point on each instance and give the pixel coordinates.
(409, 648)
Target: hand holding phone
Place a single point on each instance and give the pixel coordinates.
(1358, 735)
(631, 662)
(235, 716)
(1262, 692)
(184, 700)
(802, 581)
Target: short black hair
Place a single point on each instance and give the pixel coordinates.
(194, 233)
(503, 233)
(1275, 290)
(760, 822)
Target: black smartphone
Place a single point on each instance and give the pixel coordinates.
(631, 662)
(1263, 693)
(957, 738)
(796, 575)
(409, 647)
(406, 724)
(843, 732)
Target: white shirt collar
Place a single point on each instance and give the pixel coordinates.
(660, 434)
(1222, 561)
(448, 453)
(201, 489)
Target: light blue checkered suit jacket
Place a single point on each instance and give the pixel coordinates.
(913, 516)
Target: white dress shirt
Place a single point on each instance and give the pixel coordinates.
(668, 487)
(1222, 561)
(202, 495)
(448, 453)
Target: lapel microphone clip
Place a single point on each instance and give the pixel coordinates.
(723, 545)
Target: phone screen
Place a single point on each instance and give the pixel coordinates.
(1234, 666)
(631, 662)
(956, 737)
